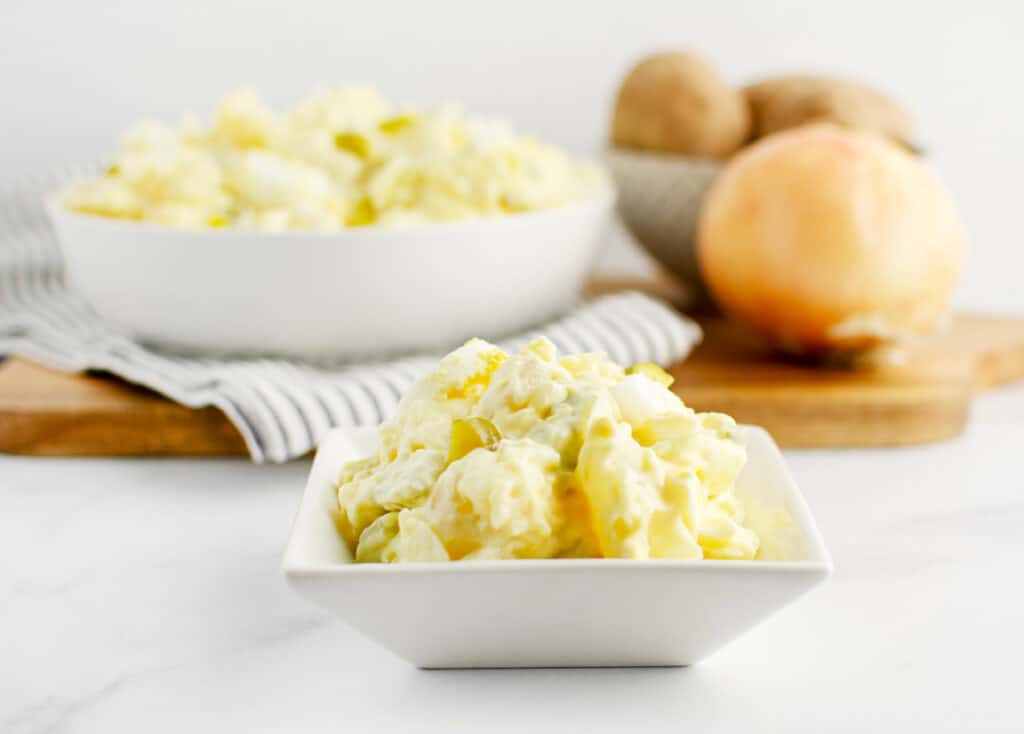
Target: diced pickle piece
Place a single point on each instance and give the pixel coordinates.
(354, 143)
(469, 434)
(362, 214)
(651, 372)
(395, 125)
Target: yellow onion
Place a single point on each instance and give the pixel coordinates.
(830, 239)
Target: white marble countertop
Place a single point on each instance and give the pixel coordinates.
(146, 596)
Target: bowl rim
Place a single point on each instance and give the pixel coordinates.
(603, 197)
(564, 564)
(819, 564)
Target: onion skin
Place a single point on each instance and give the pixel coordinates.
(827, 239)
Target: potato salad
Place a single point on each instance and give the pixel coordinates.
(493, 456)
(343, 158)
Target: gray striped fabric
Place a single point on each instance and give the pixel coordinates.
(281, 408)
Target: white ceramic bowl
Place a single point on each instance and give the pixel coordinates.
(554, 613)
(317, 295)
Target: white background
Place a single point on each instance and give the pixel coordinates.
(73, 75)
(146, 595)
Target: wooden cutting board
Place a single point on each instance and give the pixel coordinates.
(926, 398)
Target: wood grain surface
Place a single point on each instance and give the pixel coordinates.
(48, 413)
(923, 397)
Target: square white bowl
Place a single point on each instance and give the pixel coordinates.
(557, 612)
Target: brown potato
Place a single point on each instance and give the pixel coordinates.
(785, 102)
(676, 103)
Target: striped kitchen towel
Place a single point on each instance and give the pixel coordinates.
(282, 408)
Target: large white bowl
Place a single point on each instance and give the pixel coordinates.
(556, 613)
(331, 294)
